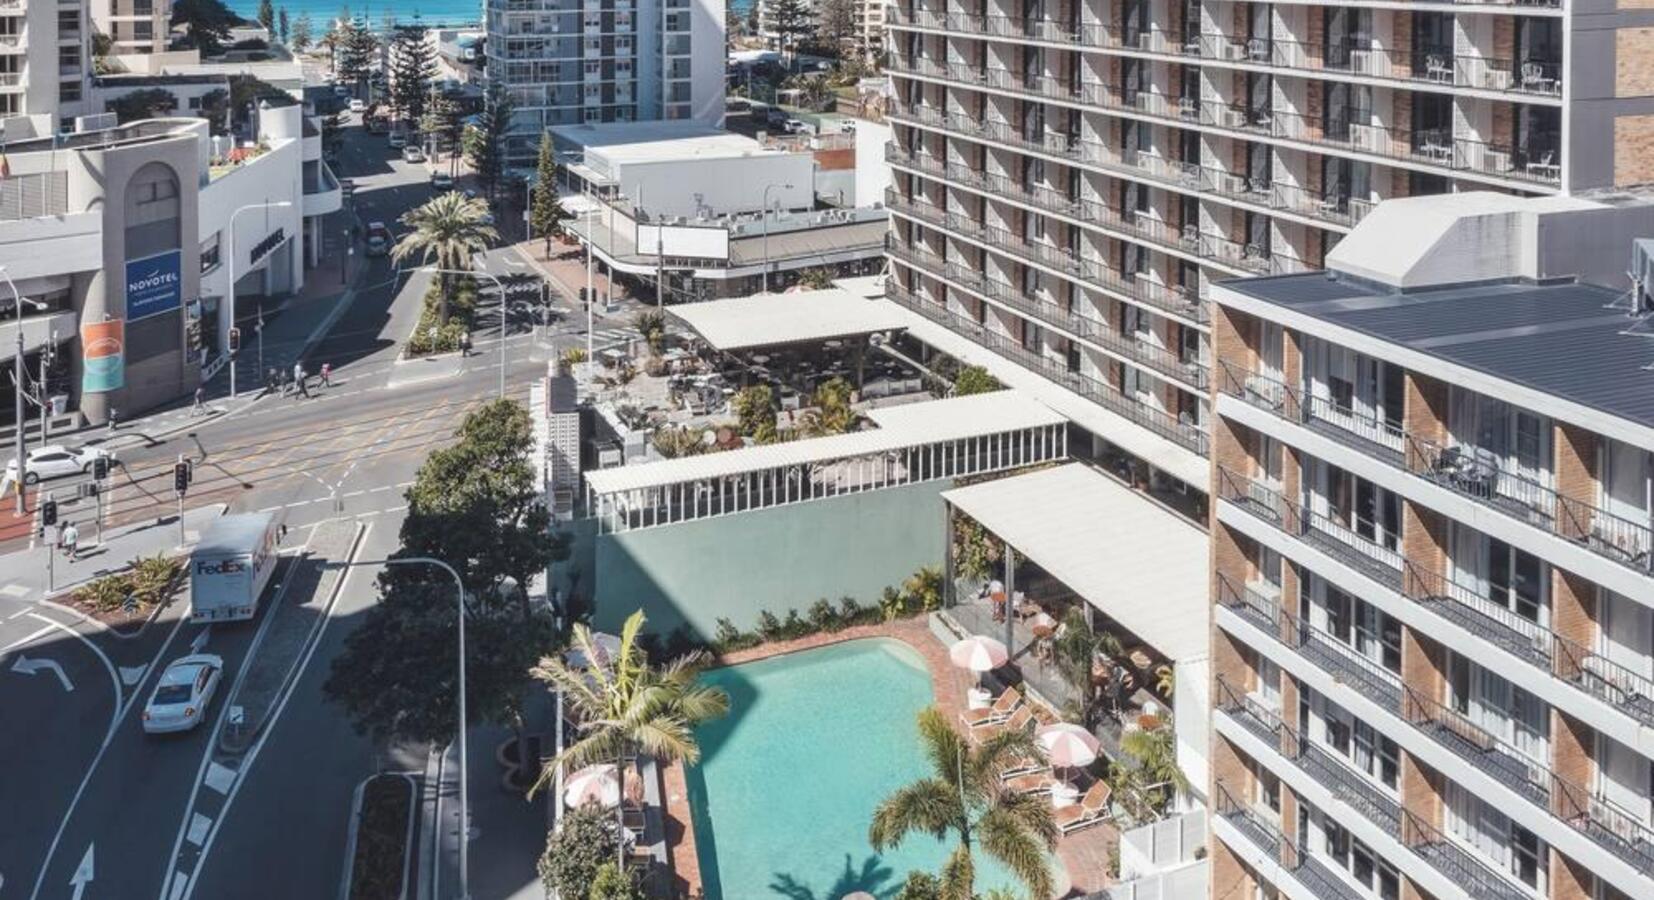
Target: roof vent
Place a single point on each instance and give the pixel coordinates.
(1642, 276)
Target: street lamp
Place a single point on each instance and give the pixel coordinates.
(498, 287)
(766, 215)
(591, 290)
(229, 246)
(17, 378)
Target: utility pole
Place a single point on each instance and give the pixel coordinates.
(260, 328)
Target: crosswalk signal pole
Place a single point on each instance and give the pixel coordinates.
(180, 484)
(48, 520)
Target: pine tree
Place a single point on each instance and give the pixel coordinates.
(282, 24)
(355, 47)
(267, 17)
(791, 20)
(301, 33)
(413, 65)
(485, 142)
(547, 214)
(442, 120)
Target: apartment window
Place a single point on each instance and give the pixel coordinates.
(1490, 832)
(1432, 119)
(1034, 227)
(68, 91)
(1432, 42)
(1507, 712)
(1518, 440)
(209, 254)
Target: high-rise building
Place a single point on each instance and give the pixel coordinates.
(134, 26)
(564, 62)
(45, 59)
(1433, 560)
(1071, 177)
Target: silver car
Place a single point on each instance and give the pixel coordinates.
(183, 693)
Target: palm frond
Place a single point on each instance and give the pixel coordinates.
(597, 747)
(959, 875)
(1034, 813)
(578, 688)
(944, 747)
(1006, 838)
(928, 806)
(995, 754)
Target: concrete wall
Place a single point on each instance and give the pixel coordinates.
(872, 172)
(733, 184)
(776, 559)
(1609, 121)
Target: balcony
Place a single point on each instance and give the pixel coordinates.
(1585, 811)
(1353, 543)
(1468, 471)
(1160, 422)
(1327, 653)
(1088, 328)
(1294, 858)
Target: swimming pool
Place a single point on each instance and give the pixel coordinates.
(789, 779)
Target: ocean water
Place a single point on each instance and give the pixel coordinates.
(788, 780)
(431, 12)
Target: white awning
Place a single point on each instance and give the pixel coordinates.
(956, 418)
(767, 320)
(1141, 564)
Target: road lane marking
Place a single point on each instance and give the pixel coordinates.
(131, 675)
(21, 641)
(26, 666)
(14, 590)
(199, 826)
(220, 777)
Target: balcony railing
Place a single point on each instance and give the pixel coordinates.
(1363, 431)
(1354, 542)
(1294, 857)
(1586, 811)
(1452, 859)
(1527, 640)
(1158, 421)
(1482, 475)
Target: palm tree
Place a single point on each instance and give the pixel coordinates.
(448, 229)
(1148, 776)
(625, 705)
(963, 796)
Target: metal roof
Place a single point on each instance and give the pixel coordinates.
(1141, 564)
(955, 418)
(821, 240)
(1562, 339)
(234, 534)
(768, 320)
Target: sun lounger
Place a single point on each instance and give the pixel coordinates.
(1022, 719)
(1091, 809)
(1022, 766)
(1038, 782)
(1003, 707)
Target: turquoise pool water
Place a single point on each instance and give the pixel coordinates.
(788, 781)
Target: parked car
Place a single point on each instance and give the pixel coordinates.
(795, 126)
(183, 693)
(412, 154)
(398, 139)
(55, 461)
(442, 181)
(356, 105)
(379, 239)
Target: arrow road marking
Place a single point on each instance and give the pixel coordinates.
(29, 666)
(83, 874)
(131, 675)
(200, 640)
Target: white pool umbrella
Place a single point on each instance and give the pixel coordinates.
(1068, 745)
(606, 646)
(593, 784)
(978, 653)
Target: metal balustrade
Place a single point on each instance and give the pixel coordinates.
(1455, 861)
(1355, 543)
(1173, 428)
(1295, 858)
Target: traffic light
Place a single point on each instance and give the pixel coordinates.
(583, 298)
(181, 476)
(100, 468)
(235, 340)
(48, 512)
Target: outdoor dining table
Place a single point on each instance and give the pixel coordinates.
(1140, 658)
(1063, 795)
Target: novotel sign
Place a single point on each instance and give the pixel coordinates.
(154, 285)
(270, 242)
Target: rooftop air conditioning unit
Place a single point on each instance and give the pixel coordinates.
(1642, 276)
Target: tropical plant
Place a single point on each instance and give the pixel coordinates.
(1165, 681)
(1148, 777)
(924, 589)
(754, 410)
(571, 357)
(674, 443)
(830, 410)
(975, 552)
(964, 797)
(816, 279)
(624, 704)
(651, 325)
(448, 230)
(614, 883)
(578, 851)
(975, 380)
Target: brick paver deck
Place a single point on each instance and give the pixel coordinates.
(1084, 854)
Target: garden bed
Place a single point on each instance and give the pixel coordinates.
(127, 601)
(428, 338)
(379, 857)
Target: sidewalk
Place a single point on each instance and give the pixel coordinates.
(508, 832)
(25, 570)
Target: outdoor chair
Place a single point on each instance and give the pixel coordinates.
(1019, 721)
(1004, 706)
(1039, 782)
(1092, 808)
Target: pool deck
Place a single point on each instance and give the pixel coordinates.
(1084, 854)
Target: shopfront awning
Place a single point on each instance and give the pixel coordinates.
(1141, 564)
(771, 320)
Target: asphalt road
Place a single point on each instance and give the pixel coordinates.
(81, 779)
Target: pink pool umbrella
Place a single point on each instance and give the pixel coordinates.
(978, 653)
(593, 784)
(1068, 746)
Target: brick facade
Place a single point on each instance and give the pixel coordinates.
(1577, 454)
(1425, 412)
(1570, 880)
(1633, 64)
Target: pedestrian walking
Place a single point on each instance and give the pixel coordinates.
(465, 345)
(272, 381)
(112, 423)
(69, 538)
(299, 379)
(327, 375)
(200, 407)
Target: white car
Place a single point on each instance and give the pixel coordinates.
(412, 154)
(55, 461)
(356, 105)
(397, 140)
(442, 181)
(183, 693)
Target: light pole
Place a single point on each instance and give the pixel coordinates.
(498, 287)
(229, 247)
(17, 378)
(766, 215)
(591, 290)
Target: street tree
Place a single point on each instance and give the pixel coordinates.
(207, 23)
(413, 65)
(215, 108)
(485, 141)
(547, 214)
(149, 103)
(836, 24)
(267, 17)
(354, 49)
(447, 231)
(963, 796)
(474, 506)
(792, 21)
(302, 33)
(442, 121)
(627, 705)
(282, 24)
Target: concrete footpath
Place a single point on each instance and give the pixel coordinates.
(23, 573)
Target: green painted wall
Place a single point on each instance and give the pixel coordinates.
(778, 559)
